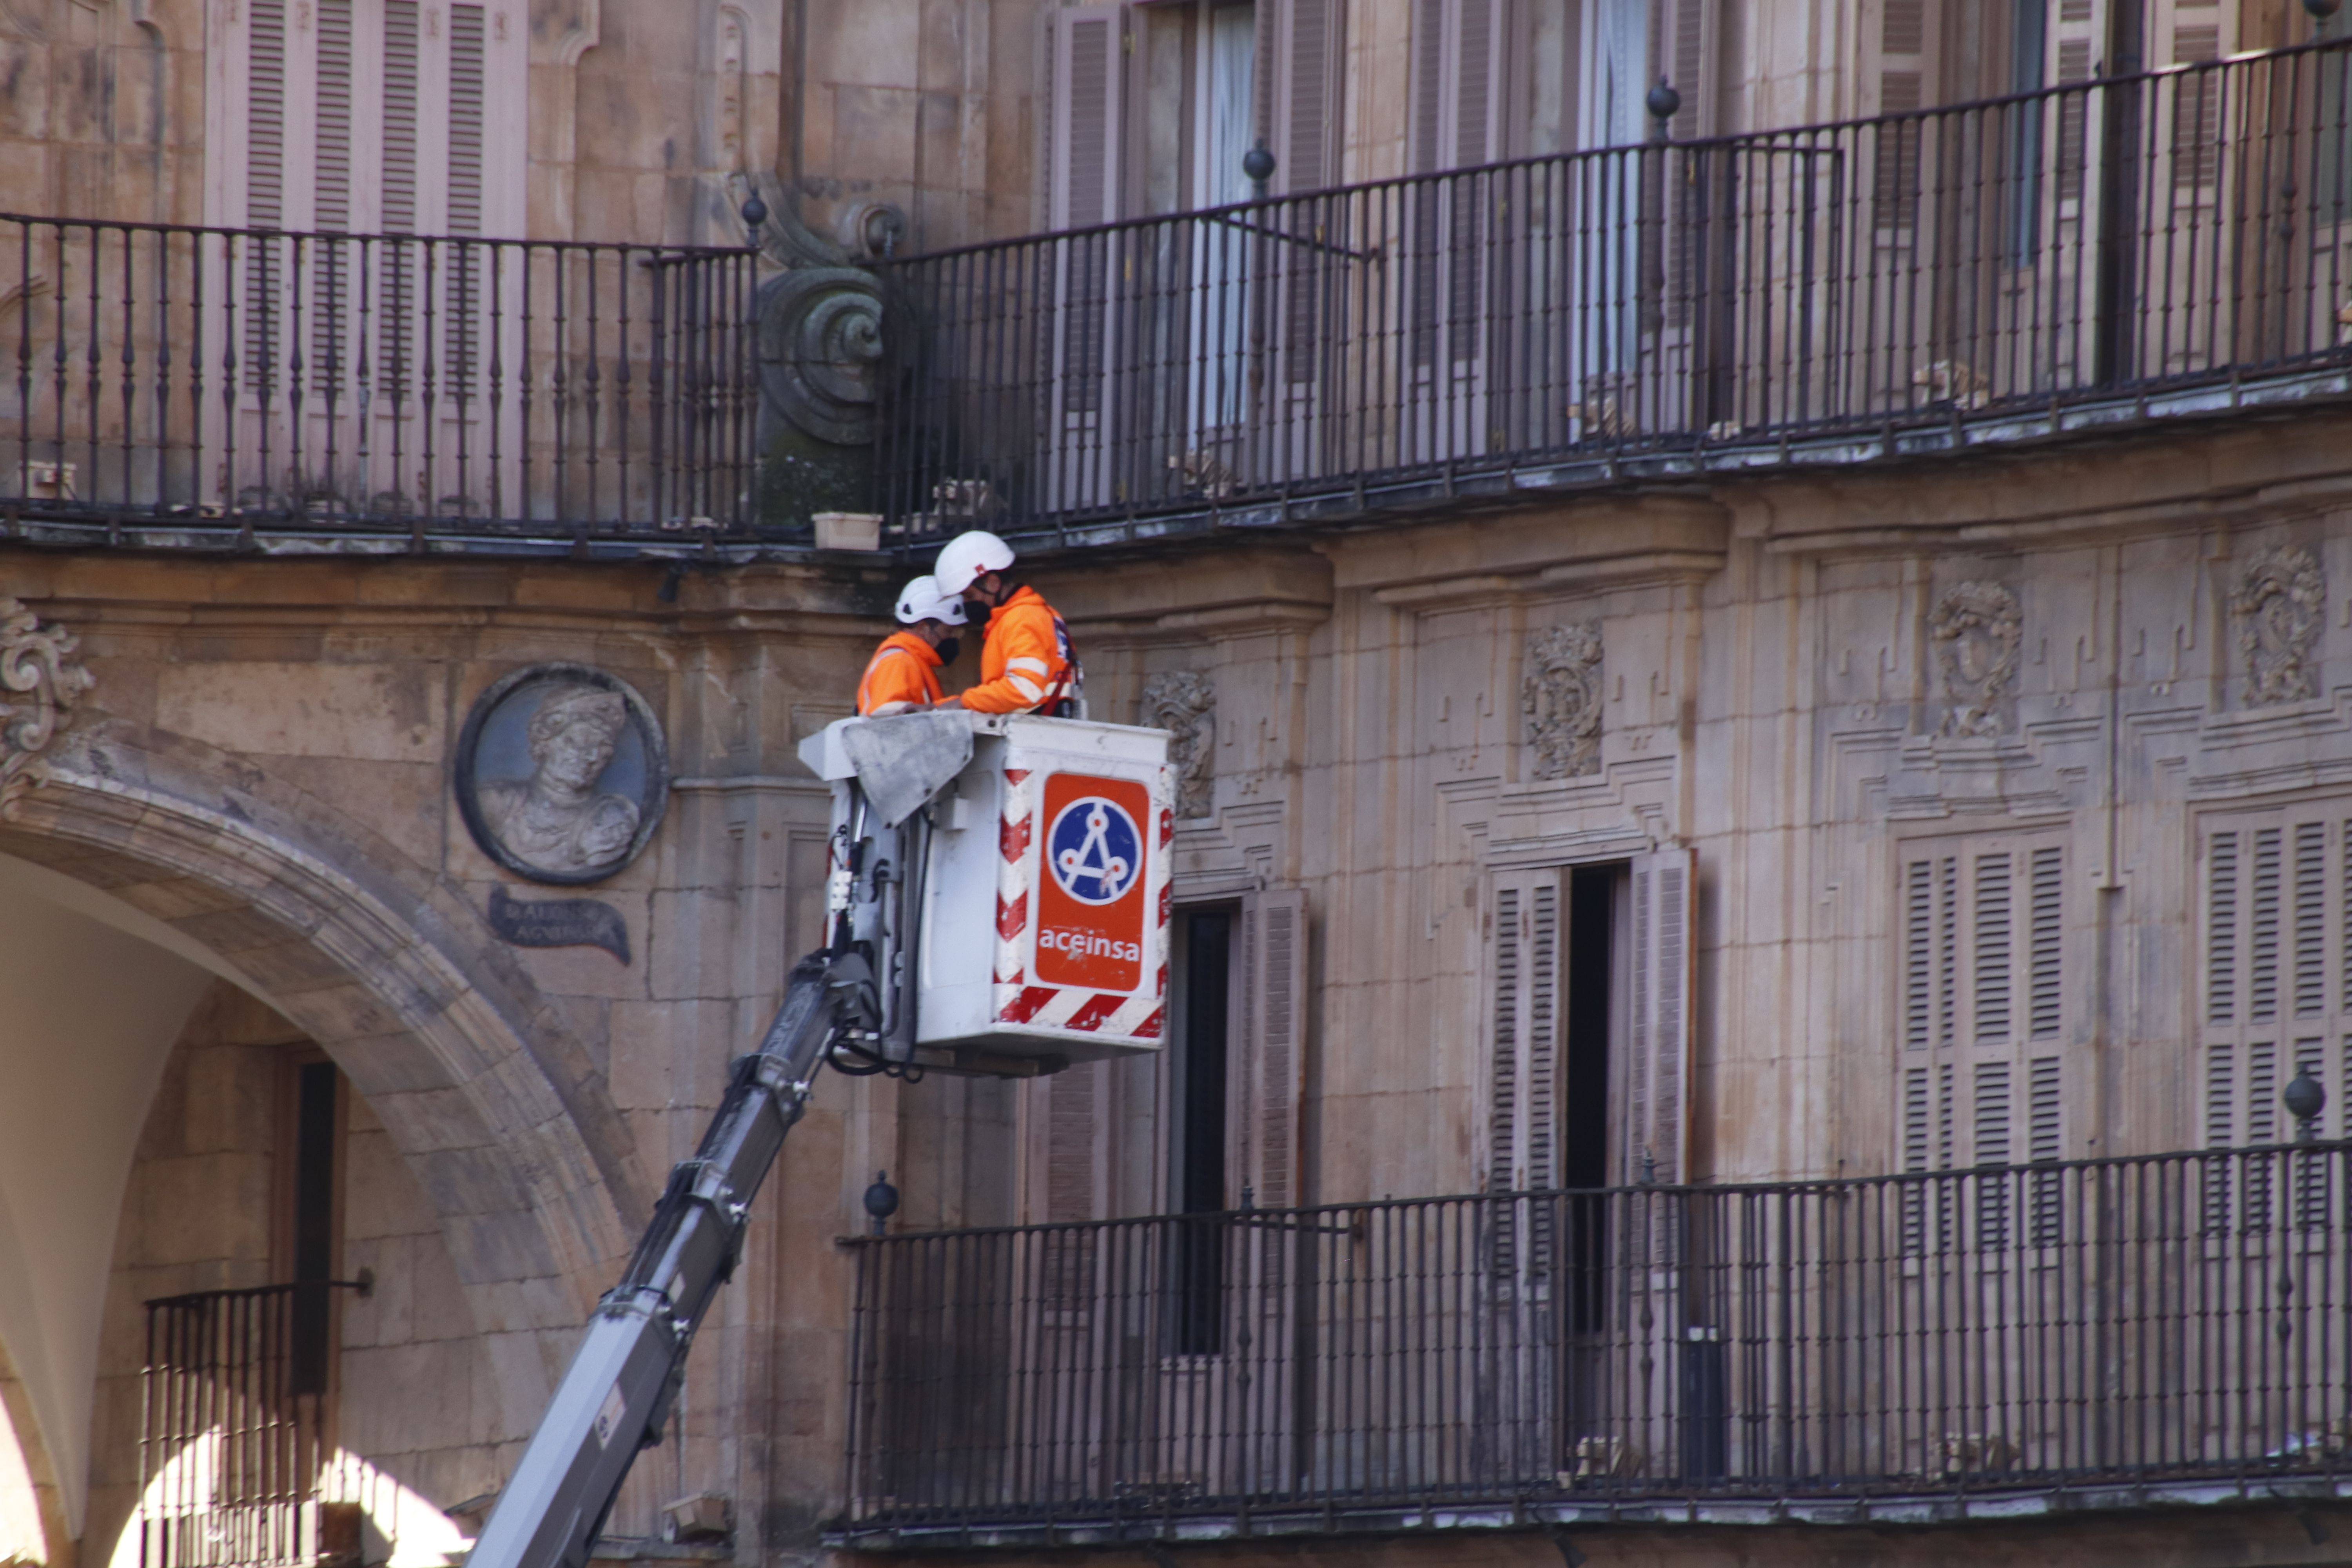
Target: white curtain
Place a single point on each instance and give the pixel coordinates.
(1224, 329)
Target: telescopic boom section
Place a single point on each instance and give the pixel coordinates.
(618, 1391)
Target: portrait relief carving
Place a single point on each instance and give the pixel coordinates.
(561, 774)
(2278, 602)
(1184, 703)
(1560, 700)
(1976, 629)
(40, 681)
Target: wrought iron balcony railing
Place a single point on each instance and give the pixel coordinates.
(226, 379)
(2157, 241)
(2093, 1331)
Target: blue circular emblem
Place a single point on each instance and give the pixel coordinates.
(1094, 850)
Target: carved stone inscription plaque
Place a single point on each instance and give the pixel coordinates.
(559, 922)
(561, 774)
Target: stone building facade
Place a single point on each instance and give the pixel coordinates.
(1765, 823)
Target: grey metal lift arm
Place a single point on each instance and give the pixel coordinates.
(617, 1393)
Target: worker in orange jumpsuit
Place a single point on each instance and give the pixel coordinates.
(904, 673)
(1026, 666)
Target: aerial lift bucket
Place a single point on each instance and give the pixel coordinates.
(1017, 914)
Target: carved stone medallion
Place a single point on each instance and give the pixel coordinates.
(2278, 603)
(1976, 629)
(561, 774)
(1184, 703)
(1560, 699)
(40, 681)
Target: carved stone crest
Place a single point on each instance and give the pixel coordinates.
(1977, 628)
(40, 680)
(1184, 703)
(1560, 699)
(2278, 601)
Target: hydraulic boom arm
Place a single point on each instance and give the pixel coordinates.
(618, 1390)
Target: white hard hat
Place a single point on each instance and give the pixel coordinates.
(920, 600)
(966, 556)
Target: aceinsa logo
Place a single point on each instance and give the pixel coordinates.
(1091, 919)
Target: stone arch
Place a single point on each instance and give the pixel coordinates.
(493, 1100)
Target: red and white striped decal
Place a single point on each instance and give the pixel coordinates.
(1014, 829)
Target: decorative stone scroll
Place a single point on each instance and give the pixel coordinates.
(1560, 698)
(1184, 703)
(1976, 629)
(820, 340)
(2278, 602)
(40, 681)
(820, 318)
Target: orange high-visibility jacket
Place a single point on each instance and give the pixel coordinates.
(901, 675)
(1025, 664)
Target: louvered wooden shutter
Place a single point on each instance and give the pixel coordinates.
(1297, 87)
(338, 107)
(1525, 1020)
(1686, 56)
(1459, 50)
(1267, 1074)
(1085, 119)
(1981, 1016)
(2276, 976)
(1900, 78)
(1657, 1147)
(1068, 1137)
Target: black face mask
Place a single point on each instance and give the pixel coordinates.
(947, 648)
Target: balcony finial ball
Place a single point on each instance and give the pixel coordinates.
(755, 211)
(2305, 1098)
(2321, 9)
(881, 1200)
(1258, 164)
(1664, 102)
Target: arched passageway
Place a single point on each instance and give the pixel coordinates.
(147, 866)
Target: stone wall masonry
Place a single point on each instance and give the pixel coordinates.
(2095, 647)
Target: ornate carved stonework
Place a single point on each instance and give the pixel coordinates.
(40, 680)
(1559, 697)
(820, 315)
(1976, 629)
(1184, 703)
(2278, 601)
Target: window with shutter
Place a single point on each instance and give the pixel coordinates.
(1686, 56)
(1659, 1060)
(1525, 1092)
(1083, 157)
(1075, 1157)
(362, 117)
(1295, 90)
(1270, 1063)
(322, 106)
(1982, 1016)
(1459, 65)
(2275, 974)
(1898, 71)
